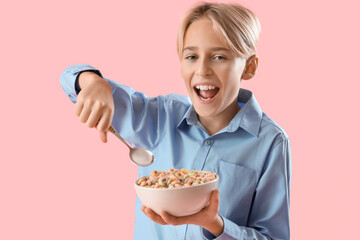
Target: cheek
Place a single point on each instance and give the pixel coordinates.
(234, 76)
(231, 82)
(229, 76)
(184, 72)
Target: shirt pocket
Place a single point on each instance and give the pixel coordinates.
(237, 186)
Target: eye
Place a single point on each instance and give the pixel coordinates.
(220, 58)
(191, 58)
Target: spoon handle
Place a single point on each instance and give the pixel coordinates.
(112, 129)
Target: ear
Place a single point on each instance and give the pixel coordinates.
(250, 68)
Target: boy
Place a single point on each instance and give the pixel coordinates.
(222, 129)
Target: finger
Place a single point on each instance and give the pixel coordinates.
(104, 122)
(78, 107)
(170, 219)
(103, 136)
(153, 216)
(188, 219)
(84, 115)
(94, 116)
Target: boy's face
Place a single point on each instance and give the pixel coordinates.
(212, 75)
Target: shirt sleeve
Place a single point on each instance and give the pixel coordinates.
(68, 79)
(269, 218)
(137, 118)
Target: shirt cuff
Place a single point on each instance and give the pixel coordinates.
(69, 76)
(231, 231)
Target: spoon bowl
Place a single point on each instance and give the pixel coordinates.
(139, 156)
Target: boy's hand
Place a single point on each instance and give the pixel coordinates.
(95, 103)
(208, 217)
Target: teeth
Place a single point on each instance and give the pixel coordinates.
(204, 87)
(205, 99)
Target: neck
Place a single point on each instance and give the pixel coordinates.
(215, 123)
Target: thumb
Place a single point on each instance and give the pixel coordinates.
(214, 200)
(103, 136)
(215, 195)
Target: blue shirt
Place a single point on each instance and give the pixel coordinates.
(251, 156)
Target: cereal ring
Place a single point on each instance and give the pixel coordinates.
(154, 173)
(179, 174)
(143, 183)
(184, 171)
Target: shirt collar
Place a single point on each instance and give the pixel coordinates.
(248, 118)
(190, 117)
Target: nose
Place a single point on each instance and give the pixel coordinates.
(203, 68)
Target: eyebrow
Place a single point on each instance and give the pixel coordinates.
(212, 49)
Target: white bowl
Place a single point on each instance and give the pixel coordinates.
(177, 201)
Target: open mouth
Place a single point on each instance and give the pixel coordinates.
(206, 93)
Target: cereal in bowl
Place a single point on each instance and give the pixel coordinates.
(175, 178)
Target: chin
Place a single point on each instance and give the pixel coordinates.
(204, 113)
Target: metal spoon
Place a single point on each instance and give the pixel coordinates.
(139, 156)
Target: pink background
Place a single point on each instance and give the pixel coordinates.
(58, 181)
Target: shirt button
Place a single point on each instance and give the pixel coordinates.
(208, 142)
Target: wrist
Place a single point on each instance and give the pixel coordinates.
(87, 78)
(216, 227)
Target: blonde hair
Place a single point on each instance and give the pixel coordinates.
(236, 25)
